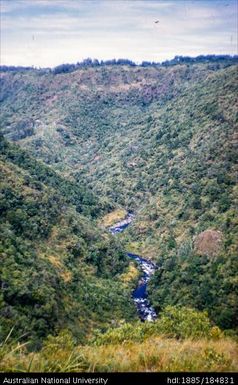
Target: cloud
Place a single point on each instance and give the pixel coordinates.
(49, 32)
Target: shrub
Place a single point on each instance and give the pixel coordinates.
(183, 322)
(175, 322)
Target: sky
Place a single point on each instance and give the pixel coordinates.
(45, 33)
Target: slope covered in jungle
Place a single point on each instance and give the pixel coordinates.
(158, 140)
(58, 270)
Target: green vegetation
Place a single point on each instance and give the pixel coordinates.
(97, 140)
(182, 339)
(174, 322)
(57, 269)
(203, 282)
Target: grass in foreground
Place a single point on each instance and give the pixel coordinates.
(155, 354)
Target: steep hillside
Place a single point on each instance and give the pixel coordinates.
(57, 269)
(121, 126)
(158, 140)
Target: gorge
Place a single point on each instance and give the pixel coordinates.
(139, 295)
(119, 205)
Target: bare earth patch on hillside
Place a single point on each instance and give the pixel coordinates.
(209, 242)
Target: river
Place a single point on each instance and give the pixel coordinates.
(145, 311)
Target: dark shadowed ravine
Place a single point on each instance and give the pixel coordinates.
(145, 311)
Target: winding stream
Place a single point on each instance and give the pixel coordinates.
(145, 311)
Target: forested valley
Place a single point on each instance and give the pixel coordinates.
(83, 145)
